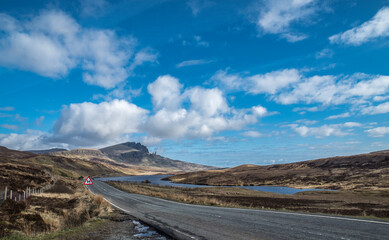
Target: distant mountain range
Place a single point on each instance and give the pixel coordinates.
(128, 153)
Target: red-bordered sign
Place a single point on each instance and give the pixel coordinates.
(88, 181)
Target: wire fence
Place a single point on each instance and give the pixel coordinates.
(24, 194)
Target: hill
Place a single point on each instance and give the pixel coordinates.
(19, 169)
(364, 171)
(47, 151)
(137, 154)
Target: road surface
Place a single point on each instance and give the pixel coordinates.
(185, 221)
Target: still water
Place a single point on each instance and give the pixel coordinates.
(156, 179)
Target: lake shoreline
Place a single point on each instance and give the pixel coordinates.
(162, 180)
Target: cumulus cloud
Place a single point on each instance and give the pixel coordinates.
(375, 28)
(179, 113)
(53, 43)
(165, 92)
(206, 112)
(88, 124)
(277, 17)
(378, 131)
(324, 130)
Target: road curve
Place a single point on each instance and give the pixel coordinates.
(185, 221)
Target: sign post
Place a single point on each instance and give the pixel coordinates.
(88, 181)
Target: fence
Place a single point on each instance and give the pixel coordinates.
(25, 194)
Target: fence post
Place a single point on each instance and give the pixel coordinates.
(5, 194)
(10, 195)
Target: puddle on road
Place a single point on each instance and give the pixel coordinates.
(145, 232)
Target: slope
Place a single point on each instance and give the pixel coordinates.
(364, 171)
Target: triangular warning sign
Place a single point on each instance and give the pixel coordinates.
(88, 181)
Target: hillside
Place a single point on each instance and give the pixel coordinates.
(137, 154)
(47, 151)
(364, 171)
(19, 169)
(130, 158)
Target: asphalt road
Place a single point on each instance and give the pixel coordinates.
(185, 221)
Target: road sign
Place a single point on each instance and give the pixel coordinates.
(88, 181)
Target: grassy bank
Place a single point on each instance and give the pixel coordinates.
(65, 206)
(352, 203)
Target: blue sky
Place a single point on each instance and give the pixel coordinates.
(214, 82)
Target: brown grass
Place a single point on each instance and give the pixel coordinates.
(359, 172)
(49, 212)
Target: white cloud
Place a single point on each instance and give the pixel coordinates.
(227, 80)
(29, 140)
(143, 56)
(379, 109)
(88, 124)
(378, 132)
(9, 126)
(165, 92)
(272, 82)
(324, 130)
(306, 121)
(334, 90)
(193, 63)
(290, 86)
(303, 110)
(269, 83)
(120, 92)
(325, 53)
(252, 134)
(342, 115)
(278, 15)
(380, 98)
(7, 109)
(53, 43)
(376, 27)
(206, 112)
(200, 42)
(208, 102)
